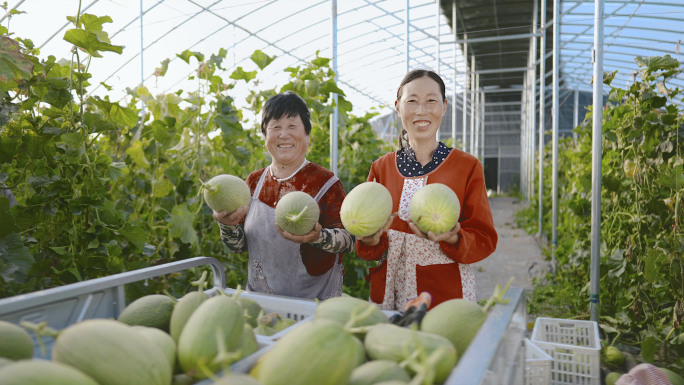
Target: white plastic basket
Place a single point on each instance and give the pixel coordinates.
(537, 365)
(574, 347)
(287, 307)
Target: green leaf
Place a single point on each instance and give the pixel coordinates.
(15, 258)
(241, 74)
(321, 62)
(649, 346)
(126, 116)
(60, 250)
(652, 268)
(187, 54)
(14, 66)
(181, 224)
(135, 235)
(135, 151)
(162, 186)
(161, 71)
(656, 63)
(330, 87)
(261, 59)
(90, 42)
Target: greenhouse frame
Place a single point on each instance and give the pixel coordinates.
(116, 114)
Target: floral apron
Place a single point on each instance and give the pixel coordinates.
(408, 252)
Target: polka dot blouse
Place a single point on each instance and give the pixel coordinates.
(409, 166)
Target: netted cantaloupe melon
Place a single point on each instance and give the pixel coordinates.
(226, 192)
(297, 212)
(366, 208)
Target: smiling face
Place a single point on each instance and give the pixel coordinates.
(421, 108)
(286, 141)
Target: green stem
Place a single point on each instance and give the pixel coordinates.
(295, 217)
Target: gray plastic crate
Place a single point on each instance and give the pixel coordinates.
(102, 297)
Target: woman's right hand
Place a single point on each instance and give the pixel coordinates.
(231, 219)
(374, 239)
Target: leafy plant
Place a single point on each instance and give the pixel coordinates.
(642, 246)
(102, 186)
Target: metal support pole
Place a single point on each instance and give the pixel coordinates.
(438, 13)
(542, 108)
(575, 116)
(334, 119)
(554, 114)
(407, 22)
(533, 95)
(596, 155)
(523, 137)
(465, 93)
(472, 105)
(453, 96)
(476, 115)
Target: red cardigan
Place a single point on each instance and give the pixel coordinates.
(463, 173)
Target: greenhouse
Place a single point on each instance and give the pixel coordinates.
(555, 255)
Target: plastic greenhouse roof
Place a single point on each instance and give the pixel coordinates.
(371, 51)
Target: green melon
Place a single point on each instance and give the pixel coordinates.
(612, 377)
(112, 353)
(366, 208)
(183, 310)
(226, 192)
(17, 343)
(614, 356)
(152, 310)
(297, 213)
(162, 340)
(283, 324)
(674, 378)
(376, 371)
(251, 310)
(319, 352)
(457, 319)
(391, 342)
(342, 309)
(435, 207)
(248, 342)
(215, 327)
(42, 372)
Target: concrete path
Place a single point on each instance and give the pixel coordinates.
(517, 253)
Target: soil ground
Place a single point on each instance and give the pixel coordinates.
(517, 254)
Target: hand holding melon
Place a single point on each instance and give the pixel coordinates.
(226, 192)
(231, 219)
(435, 208)
(297, 213)
(366, 209)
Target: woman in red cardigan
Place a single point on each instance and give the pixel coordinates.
(410, 261)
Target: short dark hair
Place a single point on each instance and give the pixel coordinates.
(286, 103)
(419, 73)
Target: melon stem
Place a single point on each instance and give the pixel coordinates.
(295, 217)
(497, 297)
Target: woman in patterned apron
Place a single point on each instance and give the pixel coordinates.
(304, 266)
(409, 261)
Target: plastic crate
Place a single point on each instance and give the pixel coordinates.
(574, 347)
(537, 365)
(297, 309)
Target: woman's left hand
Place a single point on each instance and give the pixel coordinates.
(452, 236)
(309, 237)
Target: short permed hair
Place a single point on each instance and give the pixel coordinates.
(285, 104)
